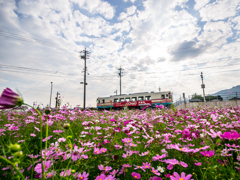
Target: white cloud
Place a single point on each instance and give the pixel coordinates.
(200, 3)
(130, 11)
(216, 32)
(129, 0)
(97, 6)
(219, 10)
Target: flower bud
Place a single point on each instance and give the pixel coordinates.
(47, 111)
(73, 171)
(69, 137)
(66, 125)
(14, 148)
(18, 154)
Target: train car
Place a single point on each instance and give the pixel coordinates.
(135, 100)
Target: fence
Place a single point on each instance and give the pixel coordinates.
(218, 99)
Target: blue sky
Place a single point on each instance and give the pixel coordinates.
(158, 43)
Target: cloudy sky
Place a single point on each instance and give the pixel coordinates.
(158, 43)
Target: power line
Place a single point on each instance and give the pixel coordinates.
(28, 39)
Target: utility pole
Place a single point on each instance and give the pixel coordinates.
(115, 92)
(84, 57)
(51, 95)
(120, 74)
(159, 89)
(203, 86)
(56, 105)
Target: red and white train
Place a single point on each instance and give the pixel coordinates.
(135, 100)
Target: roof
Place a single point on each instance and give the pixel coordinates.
(195, 100)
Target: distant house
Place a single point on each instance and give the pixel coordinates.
(235, 98)
(195, 100)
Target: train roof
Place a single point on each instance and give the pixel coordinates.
(139, 93)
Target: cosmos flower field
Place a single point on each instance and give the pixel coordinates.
(200, 143)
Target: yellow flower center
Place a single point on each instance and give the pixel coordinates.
(81, 177)
(135, 176)
(181, 179)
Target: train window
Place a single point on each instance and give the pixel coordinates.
(147, 97)
(121, 99)
(103, 101)
(163, 96)
(115, 100)
(128, 99)
(166, 95)
(99, 101)
(134, 98)
(140, 98)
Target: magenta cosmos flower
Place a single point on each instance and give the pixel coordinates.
(208, 153)
(183, 176)
(10, 99)
(136, 175)
(230, 136)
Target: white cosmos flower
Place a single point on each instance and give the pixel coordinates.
(159, 168)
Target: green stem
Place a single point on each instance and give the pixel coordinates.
(13, 165)
(46, 142)
(43, 174)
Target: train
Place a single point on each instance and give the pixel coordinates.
(135, 100)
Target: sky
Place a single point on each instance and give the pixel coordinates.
(162, 44)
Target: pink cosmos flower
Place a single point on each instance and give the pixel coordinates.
(144, 153)
(155, 171)
(102, 168)
(103, 150)
(170, 167)
(10, 99)
(38, 167)
(58, 131)
(171, 161)
(183, 164)
(177, 177)
(127, 165)
(198, 164)
(114, 172)
(83, 176)
(65, 173)
(50, 174)
(136, 175)
(137, 167)
(207, 154)
(100, 177)
(157, 157)
(118, 146)
(146, 165)
(33, 135)
(110, 177)
(96, 151)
